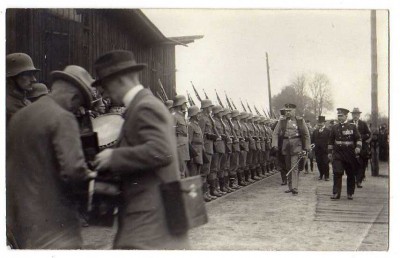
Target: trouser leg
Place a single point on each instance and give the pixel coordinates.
(351, 179)
(338, 170)
(295, 172)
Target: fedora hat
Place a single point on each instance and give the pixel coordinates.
(113, 63)
(79, 77)
(356, 110)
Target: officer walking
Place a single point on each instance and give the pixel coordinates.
(296, 139)
(320, 137)
(366, 137)
(181, 130)
(344, 146)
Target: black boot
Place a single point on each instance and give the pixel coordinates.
(241, 180)
(222, 186)
(213, 189)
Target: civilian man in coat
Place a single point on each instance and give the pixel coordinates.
(296, 139)
(20, 76)
(145, 156)
(45, 164)
(366, 137)
(320, 137)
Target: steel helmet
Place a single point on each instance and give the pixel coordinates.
(17, 63)
(217, 109)
(205, 103)
(169, 103)
(179, 100)
(38, 89)
(193, 110)
(235, 113)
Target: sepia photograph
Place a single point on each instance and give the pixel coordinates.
(202, 129)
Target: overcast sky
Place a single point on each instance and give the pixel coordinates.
(231, 56)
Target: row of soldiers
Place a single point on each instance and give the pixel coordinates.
(228, 148)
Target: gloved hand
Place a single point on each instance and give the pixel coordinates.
(330, 156)
(357, 151)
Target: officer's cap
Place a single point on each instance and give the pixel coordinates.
(193, 110)
(342, 111)
(205, 103)
(217, 109)
(290, 106)
(179, 100)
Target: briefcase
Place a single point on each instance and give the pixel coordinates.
(184, 204)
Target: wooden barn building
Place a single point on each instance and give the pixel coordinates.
(55, 38)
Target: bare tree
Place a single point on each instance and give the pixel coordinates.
(300, 86)
(321, 96)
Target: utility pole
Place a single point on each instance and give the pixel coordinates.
(269, 84)
(374, 97)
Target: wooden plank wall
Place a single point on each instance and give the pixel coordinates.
(53, 40)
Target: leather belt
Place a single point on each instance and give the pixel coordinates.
(345, 143)
(197, 143)
(182, 134)
(291, 137)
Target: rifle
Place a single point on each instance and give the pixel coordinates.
(265, 113)
(190, 100)
(195, 92)
(160, 97)
(233, 104)
(249, 107)
(227, 101)
(205, 94)
(219, 100)
(255, 108)
(243, 105)
(163, 90)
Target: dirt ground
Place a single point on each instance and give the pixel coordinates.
(262, 217)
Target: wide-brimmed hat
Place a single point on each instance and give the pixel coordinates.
(79, 77)
(356, 110)
(226, 111)
(113, 63)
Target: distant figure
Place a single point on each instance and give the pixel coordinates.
(38, 90)
(20, 75)
(383, 140)
(46, 165)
